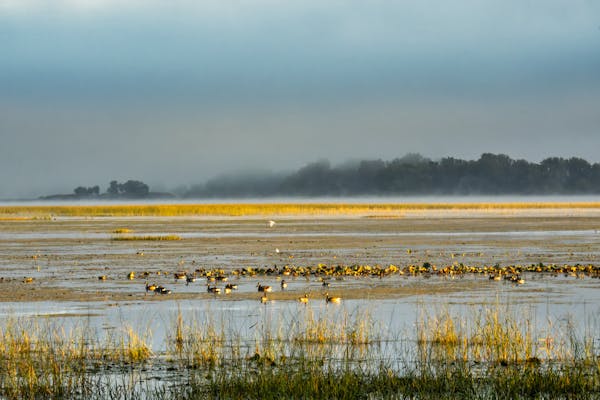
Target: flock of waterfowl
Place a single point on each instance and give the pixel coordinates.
(326, 273)
(228, 288)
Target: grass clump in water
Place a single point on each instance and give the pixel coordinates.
(146, 237)
(120, 231)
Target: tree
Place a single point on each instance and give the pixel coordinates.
(113, 188)
(135, 189)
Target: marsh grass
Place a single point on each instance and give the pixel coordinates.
(119, 231)
(269, 209)
(146, 237)
(495, 353)
(45, 360)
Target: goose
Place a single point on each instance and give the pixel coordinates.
(161, 290)
(262, 288)
(212, 289)
(180, 275)
(331, 299)
(150, 287)
(190, 279)
(303, 299)
(131, 275)
(102, 277)
(283, 284)
(231, 286)
(264, 299)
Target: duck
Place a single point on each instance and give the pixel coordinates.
(332, 299)
(303, 299)
(262, 288)
(284, 285)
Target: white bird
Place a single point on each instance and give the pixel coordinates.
(271, 224)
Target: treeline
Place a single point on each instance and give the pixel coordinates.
(414, 174)
(131, 189)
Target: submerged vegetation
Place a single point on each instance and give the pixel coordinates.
(391, 210)
(499, 353)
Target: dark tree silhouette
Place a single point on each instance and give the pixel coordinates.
(414, 174)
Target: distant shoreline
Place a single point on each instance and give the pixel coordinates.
(266, 208)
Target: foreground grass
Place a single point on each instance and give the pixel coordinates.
(496, 356)
(269, 209)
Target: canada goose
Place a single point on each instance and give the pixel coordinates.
(264, 299)
(221, 278)
(150, 287)
(102, 278)
(262, 288)
(283, 284)
(212, 289)
(331, 299)
(161, 290)
(131, 275)
(27, 279)
(231, 286)
(189, 279)
(180, 275)
(303, 299)
(325, 283)
(227, 290)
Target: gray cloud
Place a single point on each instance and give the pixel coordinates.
(178, 94)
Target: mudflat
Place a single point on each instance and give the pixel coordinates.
(78, 258)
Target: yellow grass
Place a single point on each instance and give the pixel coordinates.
(270, 209)
(147, 237)
(122, 230)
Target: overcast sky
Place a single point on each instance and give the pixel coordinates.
(175, 92)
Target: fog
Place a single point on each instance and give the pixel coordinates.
(93, 91)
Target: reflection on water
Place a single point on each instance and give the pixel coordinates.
(544, 300)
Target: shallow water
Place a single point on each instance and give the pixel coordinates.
(69, 255)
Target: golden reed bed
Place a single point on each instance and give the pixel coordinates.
(262, 209)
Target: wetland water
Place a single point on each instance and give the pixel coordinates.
(65, 257)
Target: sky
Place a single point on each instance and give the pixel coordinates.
(176, 92)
